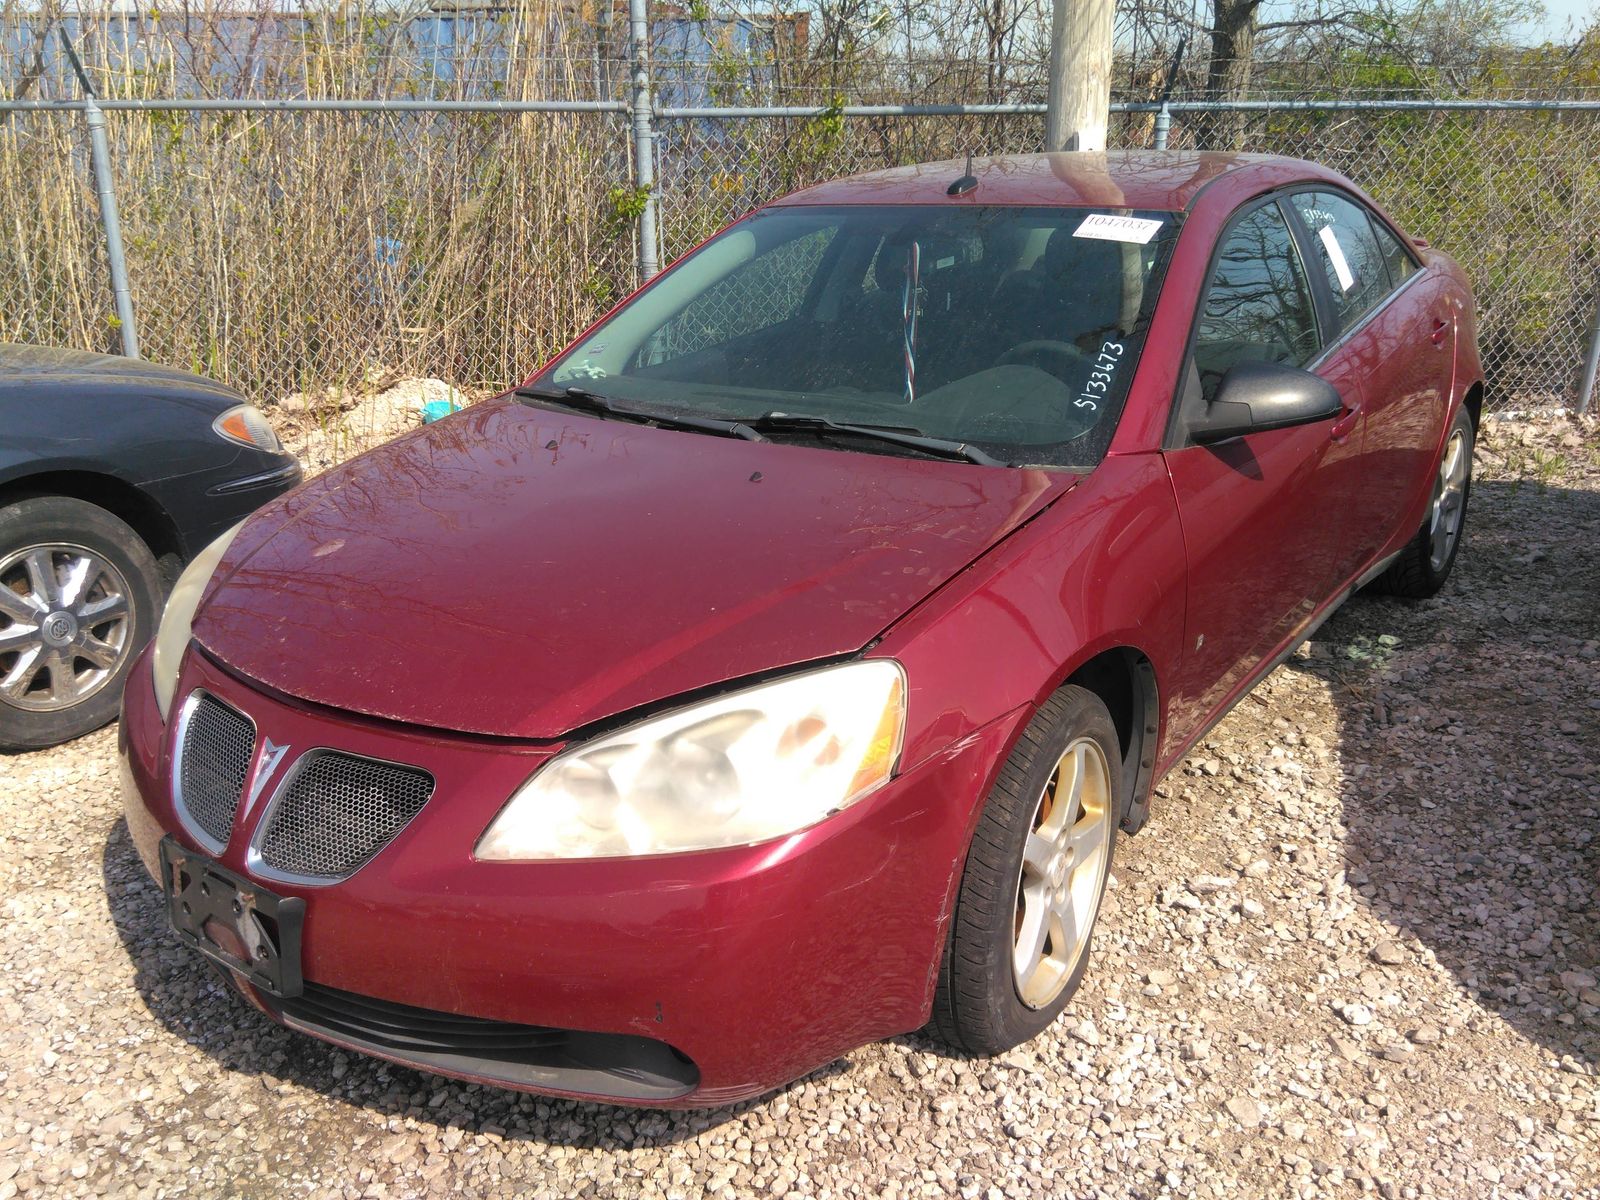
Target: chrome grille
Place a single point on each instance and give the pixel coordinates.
(213, 762)
(336, 811)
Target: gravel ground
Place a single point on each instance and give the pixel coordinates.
(1354, 952)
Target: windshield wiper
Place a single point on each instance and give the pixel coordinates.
(899, 435)
(583, 400)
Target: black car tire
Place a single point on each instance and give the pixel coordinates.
(978, 1007)
(50, 520)
(1415, 574)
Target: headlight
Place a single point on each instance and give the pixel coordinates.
(244, 424)
(744, 768)
(173, 636)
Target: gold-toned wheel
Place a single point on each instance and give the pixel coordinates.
(1449, 499)
(1063, 871)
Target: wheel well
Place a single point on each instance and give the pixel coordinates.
(1473, 403)
(122, 500)
(1126, 683)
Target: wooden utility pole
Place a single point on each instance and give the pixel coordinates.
(1079, 107)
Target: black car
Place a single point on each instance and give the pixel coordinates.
(113, 473)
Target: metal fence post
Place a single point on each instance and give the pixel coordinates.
(100, 156)
(1591, 364)
(1164, 117)
(644, 150)
(105, 189)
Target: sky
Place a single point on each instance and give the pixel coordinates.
(1558, 13)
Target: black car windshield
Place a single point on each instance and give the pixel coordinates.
(1015, 330)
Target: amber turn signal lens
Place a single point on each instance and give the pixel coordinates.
(245, 424)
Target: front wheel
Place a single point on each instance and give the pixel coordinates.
(1034, 877)
(1424, 565)
(80, 593)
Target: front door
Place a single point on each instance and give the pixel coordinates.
(1265, 515)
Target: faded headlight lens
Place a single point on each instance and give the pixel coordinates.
(737, 770)
(173, 636)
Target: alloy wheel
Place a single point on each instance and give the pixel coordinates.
(65, 626)
(1063, 872)
(1449, 501)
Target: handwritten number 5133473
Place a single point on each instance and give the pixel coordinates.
(1095, 388)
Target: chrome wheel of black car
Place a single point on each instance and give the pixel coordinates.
(64, 625)
(80, 593)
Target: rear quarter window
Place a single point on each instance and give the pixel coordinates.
(1395, 256)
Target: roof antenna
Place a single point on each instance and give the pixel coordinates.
(966, 183)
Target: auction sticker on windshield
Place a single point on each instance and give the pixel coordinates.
(1111, 228)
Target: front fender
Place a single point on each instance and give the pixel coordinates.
(1102, 568)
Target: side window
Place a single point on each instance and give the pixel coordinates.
(764, 292)
(1401, 265)
(1258, 307)
(1351, 258)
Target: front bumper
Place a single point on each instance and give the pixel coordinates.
(757, 964)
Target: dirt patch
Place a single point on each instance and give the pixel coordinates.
(325, 428)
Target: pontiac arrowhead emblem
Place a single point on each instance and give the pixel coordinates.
(271, 755)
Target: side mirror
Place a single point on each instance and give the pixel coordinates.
(1256, 396)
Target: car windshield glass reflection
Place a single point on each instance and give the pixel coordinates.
(1014, 331)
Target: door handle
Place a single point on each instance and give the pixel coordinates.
(1440, 330)
(1342, 427)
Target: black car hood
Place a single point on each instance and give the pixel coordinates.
(50, 367)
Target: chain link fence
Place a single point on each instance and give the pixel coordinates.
(1513, 194)
(304, 255)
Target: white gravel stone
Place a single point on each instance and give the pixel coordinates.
(1245, 1111)
(1389, 953)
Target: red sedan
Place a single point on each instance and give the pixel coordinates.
(774, 671)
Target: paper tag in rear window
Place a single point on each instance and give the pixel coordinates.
(1109, 228)
(1341, 266)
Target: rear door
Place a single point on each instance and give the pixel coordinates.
(1395, 319)
(1265, 516)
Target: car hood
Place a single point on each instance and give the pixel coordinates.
(33, 372)
(520, 572)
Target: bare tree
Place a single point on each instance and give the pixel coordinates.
(1234, 37)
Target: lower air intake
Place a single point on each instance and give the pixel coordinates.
(616, 1065)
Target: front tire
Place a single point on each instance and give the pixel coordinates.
(1424, 565)
(80, 594)
(1036, 871)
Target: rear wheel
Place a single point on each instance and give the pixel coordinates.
(1424, 565)
(80, 593)
(1034, 878)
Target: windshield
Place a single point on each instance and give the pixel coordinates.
(1015, 330)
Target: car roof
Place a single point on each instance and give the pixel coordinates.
(1165, 180)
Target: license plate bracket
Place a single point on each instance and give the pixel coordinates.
(233, 921)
